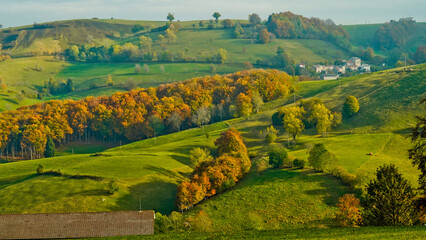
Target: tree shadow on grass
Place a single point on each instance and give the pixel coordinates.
(156, 195)
(15, 180)
(331, 188)
(181, 159)
(166, 172)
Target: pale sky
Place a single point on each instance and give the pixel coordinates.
(25, 12)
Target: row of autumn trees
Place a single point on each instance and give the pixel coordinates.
(213, 176)
(139, 113)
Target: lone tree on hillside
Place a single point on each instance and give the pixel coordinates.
(254, 19)
(264, 36)
(216, 15)
(417, 153)
(170, 17)
(50, 148)
(350, 106)
(292, 120)
(389, 200)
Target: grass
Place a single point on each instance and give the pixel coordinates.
(276, 199)
(203, 42)
(362, 35)
(123, 75)
(148, 171)
(309, 233)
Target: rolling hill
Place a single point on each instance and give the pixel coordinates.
(148, 171)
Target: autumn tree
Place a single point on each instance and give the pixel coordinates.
(349, 211)
(216, 16)
(350, 106)
(244, 105)
(222, 56)
(292, 120)
(323, 117)
(109, 80)
(389, 200)
(228, 23)
(264, 36)
(257, 101)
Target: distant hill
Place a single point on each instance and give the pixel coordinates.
(22, 41)
(362, 35)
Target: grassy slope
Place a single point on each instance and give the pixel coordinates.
(149, 170)
(19, 74)
(310, 233)
(204, 42)
(362, 35)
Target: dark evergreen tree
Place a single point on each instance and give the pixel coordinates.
(50, 148)
(389, 200)
(417, 153)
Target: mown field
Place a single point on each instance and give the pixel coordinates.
(304, 233)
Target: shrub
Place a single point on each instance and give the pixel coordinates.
(348, 178)
(40, 169)
(278, 158)
(210, 26)
(350, 106)
(201, 222)
(172, 223)
(112, 187)
(270, 137)
(348, 213)
(198, 155)
(262, 165)
(299, 163)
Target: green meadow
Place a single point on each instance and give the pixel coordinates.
(147, 172)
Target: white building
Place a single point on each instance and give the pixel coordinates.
(365, 68)
(329, 76)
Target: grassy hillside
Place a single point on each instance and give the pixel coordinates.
(22, 41)
(313, 233)
(147, 172)
(204, 42)
(362, 35)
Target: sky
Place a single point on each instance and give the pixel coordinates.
(346, 12)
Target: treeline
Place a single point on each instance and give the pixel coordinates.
(292, 26)
(140, 113)
(214, 176)
(394, 34)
